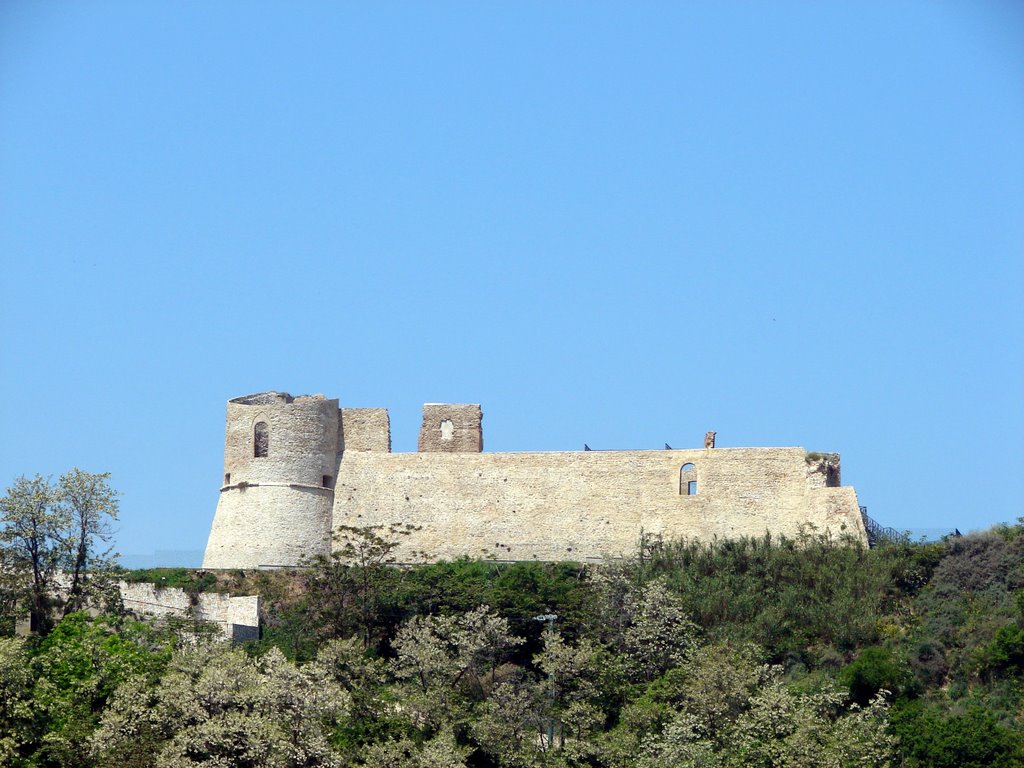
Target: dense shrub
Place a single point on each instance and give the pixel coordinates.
(932, 738)
(875, 669)
(789, 594)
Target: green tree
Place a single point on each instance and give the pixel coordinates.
(442, 751)
(730, 710)
(349, 590)
(875, 669)
(582, 683)
(52, 527)
(77, 668)
(15, 702)
(86, 504)
(510, 726)
(372, 716)
(660, 634)
(931, 738)
(13, 590)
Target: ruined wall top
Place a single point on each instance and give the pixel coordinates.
(364, 429)
(451, 428)
(274, 398)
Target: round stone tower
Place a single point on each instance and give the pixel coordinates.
(280, 465)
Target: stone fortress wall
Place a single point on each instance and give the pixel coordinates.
(280, 464)
(577, 505)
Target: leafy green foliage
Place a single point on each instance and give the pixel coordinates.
(875, 669)
(48, 526)
(1005, 654)
(189, 580)
(756, 652)
(784, 594)
(77, 668)
(933, 738)
(217, 706)
(16, 714)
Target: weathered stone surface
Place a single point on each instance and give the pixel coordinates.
(364, 429)
(450, 428)
(585, 504)
(276, 509)
(237, 618)
(505, 506)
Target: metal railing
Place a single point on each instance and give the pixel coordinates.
(878, 533)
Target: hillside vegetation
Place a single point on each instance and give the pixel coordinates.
(754, 652)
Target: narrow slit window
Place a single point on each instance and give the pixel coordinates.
(261, 440)
(688, 480)
(227, 478)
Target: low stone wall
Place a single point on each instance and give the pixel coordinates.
(236, 617)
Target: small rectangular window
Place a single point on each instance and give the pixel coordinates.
(328, 481)
(227, 478)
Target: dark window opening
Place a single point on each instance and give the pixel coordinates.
(227, 478)
(261, 440)
(328, 481)
(831, 476)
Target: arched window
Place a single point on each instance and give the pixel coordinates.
(688, 480)
(261, 440)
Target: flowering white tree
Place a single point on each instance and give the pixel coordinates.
(215, 706)
(46, 527)
(439, 656)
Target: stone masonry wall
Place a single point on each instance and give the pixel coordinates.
(275, 509)
(269, 526)
(237, 618)
(583, 505)
(303, 441)
(324, 467)
(451, 428)
(364, 429)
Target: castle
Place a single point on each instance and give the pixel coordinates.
(297, 468)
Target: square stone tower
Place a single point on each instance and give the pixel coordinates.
(449, 428)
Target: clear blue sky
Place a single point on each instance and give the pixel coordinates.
(621, 224)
